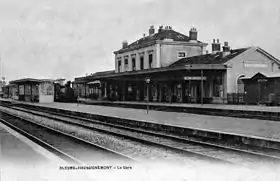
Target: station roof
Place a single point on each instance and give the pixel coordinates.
(161, 35)
(10, 85)
(30, 80)
(215, 58)
(150, 71)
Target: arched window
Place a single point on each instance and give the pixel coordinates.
(240, 84)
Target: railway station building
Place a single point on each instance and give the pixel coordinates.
(168, 66)
(32, 90)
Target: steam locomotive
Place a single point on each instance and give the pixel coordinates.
(64, 93)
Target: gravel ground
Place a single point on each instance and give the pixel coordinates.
(155, 168)
(231, 156)
(138, 151)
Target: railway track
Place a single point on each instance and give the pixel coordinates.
(129, 146)
(68, 147)
(218, 151)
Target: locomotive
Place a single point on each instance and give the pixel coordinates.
(64, 93)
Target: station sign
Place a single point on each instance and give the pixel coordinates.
(195, 78)
(95, 82)
(255, 65)
(262, 80)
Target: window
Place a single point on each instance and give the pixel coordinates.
(141, 62)
(34, 89)
(119, 65)
(27, 90)
(126, 63)
(150, 61)
(133, 64)
(181, 55)
(217, 86)
(240, 84)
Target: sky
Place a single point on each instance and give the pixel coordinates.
(69, 38)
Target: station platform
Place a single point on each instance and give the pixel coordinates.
(261, 112)
(255, 108)
(17, 151)
(254, 128)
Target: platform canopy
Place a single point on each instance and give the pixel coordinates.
(141, 74)
(30, 81)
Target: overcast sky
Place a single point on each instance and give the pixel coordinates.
(69, 38)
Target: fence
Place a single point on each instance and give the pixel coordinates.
(235, 98)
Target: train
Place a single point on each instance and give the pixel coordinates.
(64, 93)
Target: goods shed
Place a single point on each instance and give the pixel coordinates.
(262, 88)
(35, 90)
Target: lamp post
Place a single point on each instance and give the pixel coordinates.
(189, 89)
(189, 96)
(202, 89)
(147, 80)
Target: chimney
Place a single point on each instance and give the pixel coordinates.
(160, 28)
(193, 34)
(216, 46)
(124, 44)
(168, 28)
(226, 49)
(151, 30)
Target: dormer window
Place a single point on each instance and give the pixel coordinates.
(181, 54)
